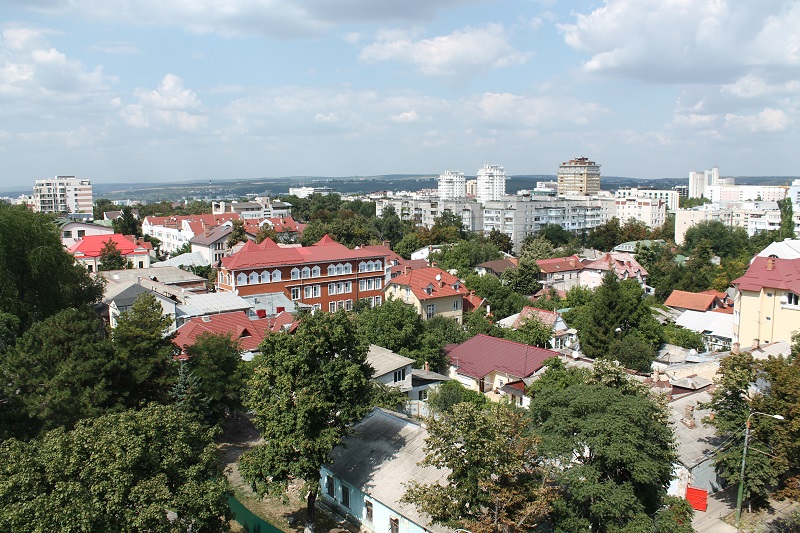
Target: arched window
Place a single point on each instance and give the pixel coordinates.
(295, 273)
(315, 272)
(306, 272)
(362, 267)
(348, 268)
(276, 275)
(265, 278)
(331, 270)
(340, 268)
(241, 279)
(378, 265)
(254, 278)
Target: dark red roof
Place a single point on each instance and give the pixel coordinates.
(248, 331)
(482, 354)
(783, 274)
(560, 264)
(422, 280)
(92, 245)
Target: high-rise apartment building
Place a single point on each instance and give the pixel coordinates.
(491, 183)
(63, 195)
(698, 181)
(579, 176)
(452, 185)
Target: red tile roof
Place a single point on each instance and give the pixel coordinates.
(249, 332)
(784, 274)
(548, 318)
(560, 264)
(270, 254)
(623, 263)
(425, 285)
(92, 245)
(691, 300)
(482, 354)
(472, 301)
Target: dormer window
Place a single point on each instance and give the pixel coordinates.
(429, 289)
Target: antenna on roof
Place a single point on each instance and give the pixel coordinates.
(438, 277)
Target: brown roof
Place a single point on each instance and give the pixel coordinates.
(483, 354)
(623, 264)
(560, 264)
(548, 318)
(774, 273)
(499, 266)
(425, 285)
(691, 300)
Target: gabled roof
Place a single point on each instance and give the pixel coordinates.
(482, 354)
(383, 360)
(623, 264)
(773, 273)
(249, 332)
(560, 264)
(710, 323)
(127, 297)
(499, 266)
(206, 238)
(472, 301)
(548, 318)
(92, 245)
(429, 283)
(691, 300)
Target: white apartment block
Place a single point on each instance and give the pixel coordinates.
(452, 185)
(670, 197)
(794, 193)
(491, 183)
(743, 193)
(578, 176)
(698, 181)
(63, 195)
(305, 192)
(259, 208)
(651, 211)
(754, 217)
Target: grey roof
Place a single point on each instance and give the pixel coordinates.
(187, 259)
(169, 275)
(709, 323)
(211, 303)
(421, 377)
(385, 361)
(774, 349)
(270, 302)
(381, 456)
(215, 234)
(696, 444)
(129, 295)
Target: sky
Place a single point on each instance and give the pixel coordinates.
(121, 91)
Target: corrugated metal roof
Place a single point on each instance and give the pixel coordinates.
(483, 354)
(211, 303)
(384, 360)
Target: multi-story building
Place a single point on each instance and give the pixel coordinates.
(305, 192)
(754, 217)
(767, 302)
(741, 193)
(683, 192)
(491, 183)
(472, 188)
(698, 181)
(579, 176)
(63, 195)
(452, 185)
(432, 292)
(259, 208)
(648, 210)
(175, 231)
(325, 276)
(670, 197)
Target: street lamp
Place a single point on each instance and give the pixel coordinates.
(744, 456)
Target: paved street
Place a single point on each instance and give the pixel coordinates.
(720, 505)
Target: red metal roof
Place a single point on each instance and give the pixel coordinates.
(560, 264)
(249, 332)
(770, 272)
(425, 286)
(482, 354)
(92, 245)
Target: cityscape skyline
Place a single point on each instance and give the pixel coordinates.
(166, 91)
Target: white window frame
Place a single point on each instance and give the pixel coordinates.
(295, 293)
(254, 278)
(306, 273)
(315, 272)
(241, 279)
(295, 273)
(276, 275)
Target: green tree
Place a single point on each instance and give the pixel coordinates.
(532, 332)
(503, 301)
(787, 219)
(266, 232)
(496, 482)
(216, 360)
(389, 226)
(683, 337)
(605, 236)
(408, 244)
(634, 230)
(611, 448)
(146, 353)
(306, 391)
(394, 325)
(101, 205)
(464, 256)
(187, 393)
(119, 472)
(524, 279)
(447, 228)
(111, 258)
(61, 370)
(557, 235)
(39, 277)
(442, 399)
(534, 249)
(127, 223)
(633, 351)
(725, 241)
(237, 234)
(185, 248)
(501, 240)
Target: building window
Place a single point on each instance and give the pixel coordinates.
(348, 305)
(394, 525)
(368, 510)
(295, 293)
(315, 272)
(265, 278)
(377, 283)
(81, 233)
(346, 496)
(362, 267)
(67, 234)
(455, 305)
(423, 395)
(276, 275)
(241, 279)
(295, 273)
(308, 291)
(348, 286)
(340, 268)
(254, 278)
(331, 270)
(377, 300)
(317, 307)
(329, 485)
(331, 289)
(430, 310)
(377, 265)
(332, 307)
(306, 272)
(792, 299)
(317, 291)
(400, 375)
(348, 268)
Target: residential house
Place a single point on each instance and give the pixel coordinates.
(560, 273)
(632, 246)
(563, 337)
(767, 302)
(786, 249)
(622, 264)
(716, 328)
(390, 368)
(88, 250)
(175, 231)
(168, 280)
(326, 276)
(113, 215)
(368, 475)
(192, 305)
(248, 331)
(73, 231)
(486, 364)
(432, 291)
(287, 228)
(498, 266)
(697, 445)
(124, 300)
(212, 244)
(188, 261)
(696, 301)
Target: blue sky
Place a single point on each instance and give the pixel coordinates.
(169, 90)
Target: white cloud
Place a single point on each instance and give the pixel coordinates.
(459, 55)
(170, 104)
(115, 47)
(768, 120)
(407, 116)
(516, 111)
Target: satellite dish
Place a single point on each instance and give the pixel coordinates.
(438, 277)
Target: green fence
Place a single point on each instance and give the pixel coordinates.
(250, 522)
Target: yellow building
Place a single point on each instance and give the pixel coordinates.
(431, 290)
(767, 302)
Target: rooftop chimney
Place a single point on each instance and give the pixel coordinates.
(427, 367)
(573, 261)
(756, 344)
(688, 416)
(771, 263)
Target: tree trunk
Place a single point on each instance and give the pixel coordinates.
(311, 511)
